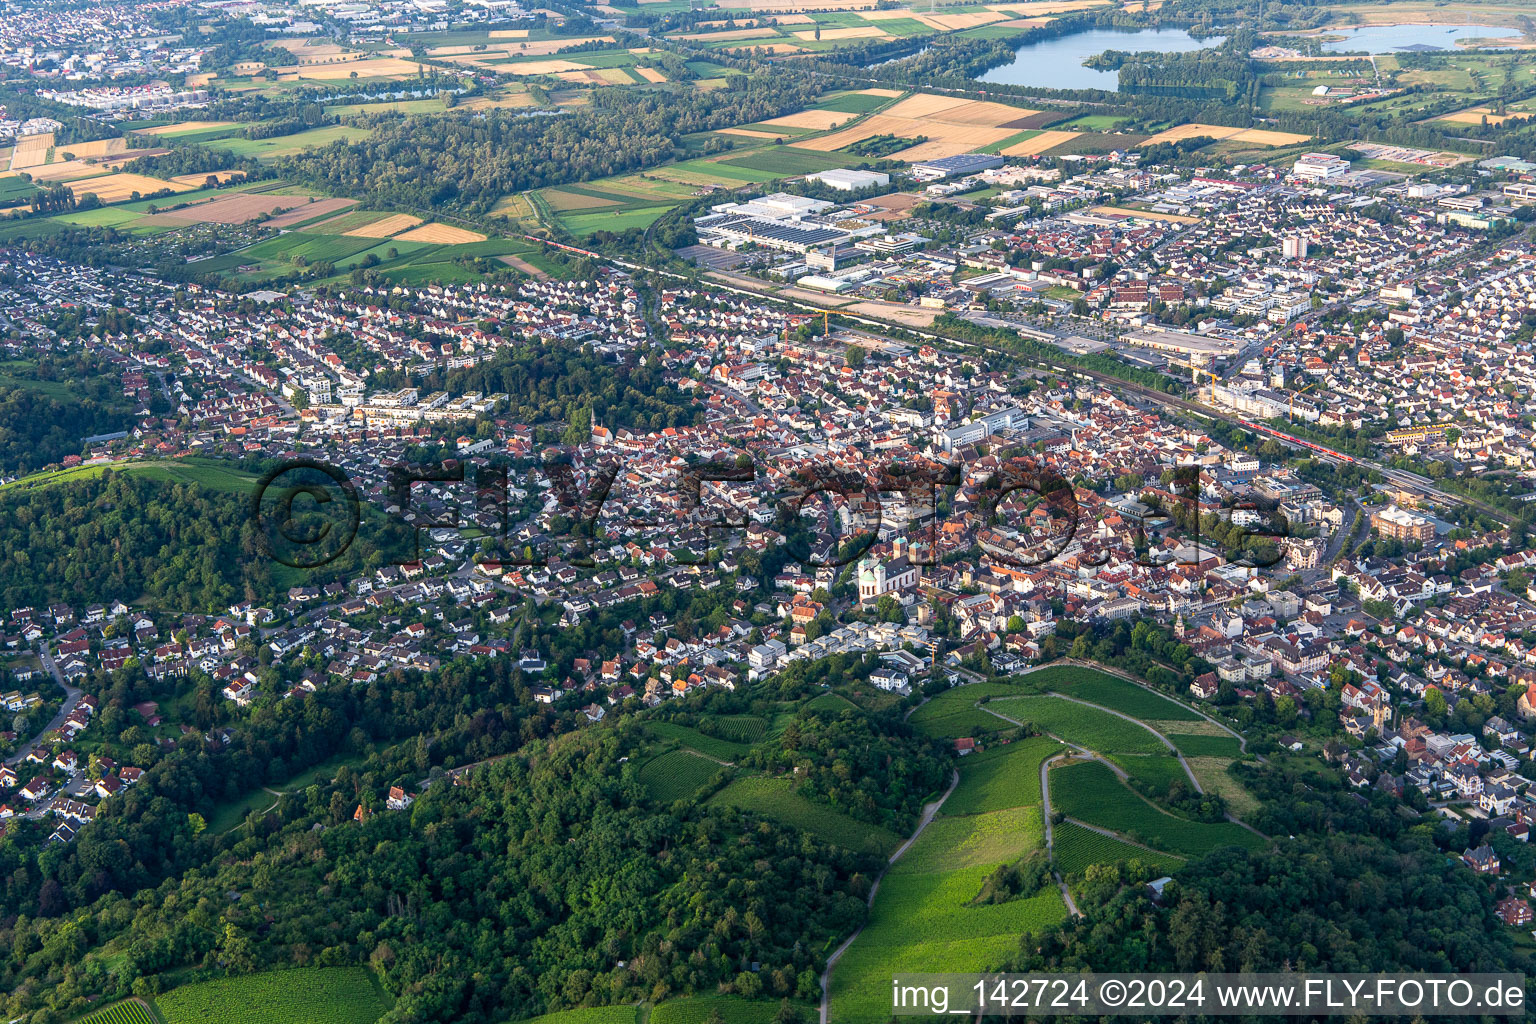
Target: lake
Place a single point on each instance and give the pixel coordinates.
(1396, 38)
(1058, 63)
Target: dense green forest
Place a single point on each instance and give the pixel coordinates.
(472, 161)
(38, 427)
(134, 536)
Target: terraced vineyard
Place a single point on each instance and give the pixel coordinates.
(733, 1010)
(923, 913)
(590, 1015)
(954, 714)
(1076, 848)
(1089, 791)
(737, 728)
(128, 1012)
(1090, 727)
(1004, 776)
(676, 775)
(1111, 692)
(777, 799)
(712, 746)
(1157, 771)
(305, 995)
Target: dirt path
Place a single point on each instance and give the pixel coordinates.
(929, 813)
(1050, 842)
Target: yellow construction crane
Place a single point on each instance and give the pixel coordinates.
(1303, 391)
(1195, 370)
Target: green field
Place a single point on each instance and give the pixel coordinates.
(853, 102)
(1111, 692)
(777, 799)
(953, 713)
(203, 472)
(1077, 847)
(923, 917)
(736, 728)
(733, 1010)
(314, 995)
(676, 775)
(1207, 746)
(1076, 723)
(1004, 776)
(287, 145)
(589, 1015)
(713, 746)
(128, 1012)
(587, 223)
(1156, 771)
(15, 188)
(782, 161)
(1090, 792)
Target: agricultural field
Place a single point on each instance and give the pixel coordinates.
(1089, 727)
(1090, 792)
(1111, 692)
(951, 124)
(315, 995)
(1155, 771)
(130, 1011)
(589, 1015)
(1225, 133)
(698, 1009)
(1076, 848)
(114, 188)
(287, 145)
(923, 914)
(710, 746)
(777, 799)
(748, 729)
(1207, 746)
(953, 714)
(676, 775)
(1000, 777)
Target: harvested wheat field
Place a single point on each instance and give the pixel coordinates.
(1038, 144)
(65, 170)
(960, 22)
(98, 148)
(542, 67)
(375, 67)
(1226, 133)
(833, 34)
(1475, 115)
(114, 188)
(927, 105)
(386, 227)
(820, 120)
(651, 74)
(441, 233)
(313, 47)
(31, 151)
(509, 33)
(234, 209)
(184, 128)
(1049, 6)
(952, 125)
(889, 94)
(308, 211)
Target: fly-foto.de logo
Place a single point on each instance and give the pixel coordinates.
(308, 513)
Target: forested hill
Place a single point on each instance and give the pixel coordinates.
(152, 533)
(543, 881)
(471, 161)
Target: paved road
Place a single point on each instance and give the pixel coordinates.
(71, 700)
(1050, 842)
(928, 815)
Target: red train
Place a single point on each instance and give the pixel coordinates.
(1271, 431)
